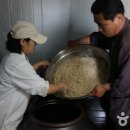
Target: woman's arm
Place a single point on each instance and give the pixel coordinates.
(58, 87)
(40, 63)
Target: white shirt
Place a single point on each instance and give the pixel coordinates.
(18, 80)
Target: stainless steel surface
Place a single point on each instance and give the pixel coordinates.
(82, 50)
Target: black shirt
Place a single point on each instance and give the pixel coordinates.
(119, 48)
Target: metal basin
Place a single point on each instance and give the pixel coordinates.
(82, 51)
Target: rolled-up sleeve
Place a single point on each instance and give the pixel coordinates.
(26, 79)
(94, 38)
(100, 40)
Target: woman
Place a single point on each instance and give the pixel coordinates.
(18, 78)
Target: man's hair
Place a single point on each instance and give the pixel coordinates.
(109, 8)
(13, 45)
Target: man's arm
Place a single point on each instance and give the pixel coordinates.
(82, 40)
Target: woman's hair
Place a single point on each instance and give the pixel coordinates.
(13, 45)
(109, 8)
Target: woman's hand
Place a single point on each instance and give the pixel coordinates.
(100, 90)
(43, 63)
(58, 87)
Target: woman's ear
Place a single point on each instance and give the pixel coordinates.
(22, 42)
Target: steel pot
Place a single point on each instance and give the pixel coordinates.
(81, 50)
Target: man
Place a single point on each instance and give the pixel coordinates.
(114, 35)
(18, 78)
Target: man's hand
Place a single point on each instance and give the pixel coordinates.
(100, 90)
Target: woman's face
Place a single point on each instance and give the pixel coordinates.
(107, 27)
(28, 47)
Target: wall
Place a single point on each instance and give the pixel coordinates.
(59, 20)
(82, 19)
(51, 17)
(127, 7)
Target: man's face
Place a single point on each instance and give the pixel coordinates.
(108, 28)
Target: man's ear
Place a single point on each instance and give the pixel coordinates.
(118, 17)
